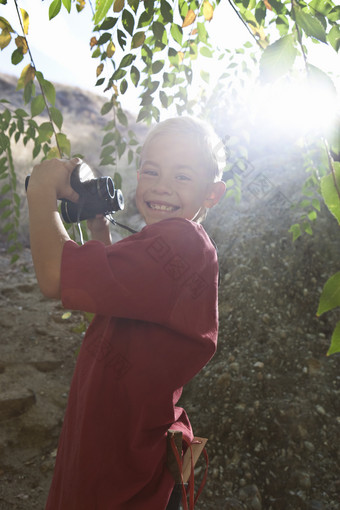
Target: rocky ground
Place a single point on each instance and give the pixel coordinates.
(269, 401)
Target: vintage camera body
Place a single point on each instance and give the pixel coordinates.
(96, 196)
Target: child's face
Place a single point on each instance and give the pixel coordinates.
(172, 181)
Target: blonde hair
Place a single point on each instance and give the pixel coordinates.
(208, 143)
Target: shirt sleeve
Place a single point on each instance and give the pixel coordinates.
(166, 274)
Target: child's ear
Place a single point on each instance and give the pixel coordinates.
(215, 193)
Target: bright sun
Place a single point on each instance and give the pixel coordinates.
(302, 105)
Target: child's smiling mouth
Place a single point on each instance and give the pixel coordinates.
(156, 206)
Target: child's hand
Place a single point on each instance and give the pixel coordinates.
(54, 175)
(99, 229)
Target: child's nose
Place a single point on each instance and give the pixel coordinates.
(162, 186)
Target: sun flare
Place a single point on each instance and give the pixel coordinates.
(302, 106)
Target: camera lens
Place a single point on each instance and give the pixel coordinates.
(105, 188)
(118, 201)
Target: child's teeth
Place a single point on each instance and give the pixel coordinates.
(162, 207)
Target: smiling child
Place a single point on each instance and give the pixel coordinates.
(154, 296)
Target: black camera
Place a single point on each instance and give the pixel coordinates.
(96, 196)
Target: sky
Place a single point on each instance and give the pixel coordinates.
(61, 49)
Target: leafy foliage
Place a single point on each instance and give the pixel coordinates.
(153, 46)
(330, 186)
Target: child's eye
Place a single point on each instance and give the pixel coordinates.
(183, 177)
(149, 172)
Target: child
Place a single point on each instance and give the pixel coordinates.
(154, 295)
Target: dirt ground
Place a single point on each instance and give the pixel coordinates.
(268, 401)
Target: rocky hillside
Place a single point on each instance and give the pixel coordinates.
(269, 401)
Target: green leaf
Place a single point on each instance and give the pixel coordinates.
(137, 40)
(5, 202)
(145, 19)
(47, 87)
(5, 24)
(6, 214)
(8, 228)
(16, 199)
(121, 149)
(144, 114)
(296, 231)
(67, 5)
(202, 32)
(56, 116)
(19, 112)
(166, 11)
(130, 156)
(54, 8)
(316, 204)
(260, 12)
(157, 66)
(49, 91)
(4, 141)
(37, 105)
(158, 30)
(102, 7)
(17, 56)
(177, 33)
(108, 23)
(169, 80)
(322, 81)
(310, 24)
(96, 53)
(119, 74)
(205, 75)
(277, 59)
(109, 160)
(36, 150)
(5, 189)
(330, 192)
(121, 38)
(123, 86)
(45, 132)
(64, 144)
(335, 341)
(164, 99)
(104, 38)
(127, 60)
(321, 6)
(128, 21)
(5, 38)
(107, 151)
(108, 138)
(135, 75)
(334, 37)
(330, 295)
(282, 24)
(133, 4)
(122, 118)
(307, 228)
(106, 108)
(206, 52)
(312, 216)
(117, 179)
(334, 14)
(146, 54)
